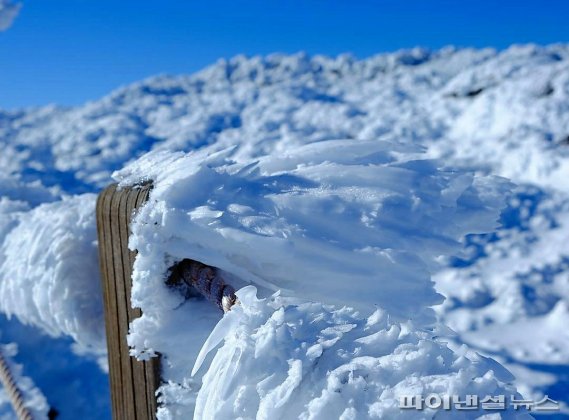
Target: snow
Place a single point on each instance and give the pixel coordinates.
(72, 382)
(388, 216)
(321, 362)
(501, 113)
(50, 271)
(547, 330)
(322, 220)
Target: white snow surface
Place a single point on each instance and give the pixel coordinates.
(357, 223)
(497, 112)
(343, 222)
(50, 271)
(311, 361)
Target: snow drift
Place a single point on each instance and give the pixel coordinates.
(343, 222)
(50, 270)
(310, 361)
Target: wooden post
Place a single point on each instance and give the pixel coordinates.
(133, 383)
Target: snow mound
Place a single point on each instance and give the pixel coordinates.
(344, 222)
(282, 360)
(505, 111)
(50, 272)
(512, 282)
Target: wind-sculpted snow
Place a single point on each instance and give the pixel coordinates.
(321, 362)
(503, 113)
(506, 111)
(513, 297)
(50, 272)
(343, 222)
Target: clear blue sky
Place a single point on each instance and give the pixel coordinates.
(71, 51)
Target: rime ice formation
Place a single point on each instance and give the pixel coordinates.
(496, 113)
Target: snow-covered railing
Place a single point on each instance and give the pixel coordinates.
(134, 383)
(16, 398)
(206, 280)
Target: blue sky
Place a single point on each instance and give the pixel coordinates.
(71, 51)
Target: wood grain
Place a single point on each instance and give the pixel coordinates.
(133, 383)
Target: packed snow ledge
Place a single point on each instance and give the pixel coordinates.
(346, 233)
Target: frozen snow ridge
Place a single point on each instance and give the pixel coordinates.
(344, 222)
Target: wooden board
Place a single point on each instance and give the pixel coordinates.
(133, 383)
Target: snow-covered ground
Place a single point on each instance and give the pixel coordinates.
(293, 125)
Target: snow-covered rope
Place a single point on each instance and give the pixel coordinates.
(13, 391)
(206, 280)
